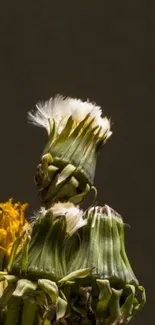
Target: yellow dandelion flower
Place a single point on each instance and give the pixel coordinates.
(12, 223)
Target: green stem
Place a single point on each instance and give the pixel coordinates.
(2, 317)
(29, 312)
(13, 311)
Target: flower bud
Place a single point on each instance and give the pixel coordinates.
(112, 287)
(43, 254)
(76, 132)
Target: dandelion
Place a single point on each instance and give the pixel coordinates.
(72, 268)
(52, 228)
(76, 132)
(112, 287)
(78, 263)
(12, 223)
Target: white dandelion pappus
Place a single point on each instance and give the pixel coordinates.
(60, 109)
(74, 215)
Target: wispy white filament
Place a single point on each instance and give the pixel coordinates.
(106, 212)
(74, 216)
(60, 109)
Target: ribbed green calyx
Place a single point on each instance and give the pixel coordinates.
(68, 164)
(78, 266)
(38, 281)
(45, 251)
(101, 244)
(112, 289)
(42, 253)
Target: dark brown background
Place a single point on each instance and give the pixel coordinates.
(104, 51)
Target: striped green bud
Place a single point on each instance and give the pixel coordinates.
(112, 287)
(76, 133)
(78, 262)
(43, 254)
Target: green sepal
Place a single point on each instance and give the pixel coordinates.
(82, 273)
(46, 160)
(84, 157)
(7, 295)
(24, 287)
(62, 137)
(76, 199)
(141, 305)
(13, 253)
(105, 294)
(52, 171)
(65, 173)
(77, 145)
(52, 189)
(51, 136)
(61, 307)
(24, 257)
(84, 143)
(126, 309)
(11, 278)
(68, 283)
(50, 288)
(114, 306)
(136, 305)
(65, 149)
(68, 189)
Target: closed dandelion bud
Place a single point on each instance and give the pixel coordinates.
(112, 287)
(37, 275)
(76, 132)
(43, 254)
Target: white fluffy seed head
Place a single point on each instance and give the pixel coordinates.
(74, 216)
(60, 109)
